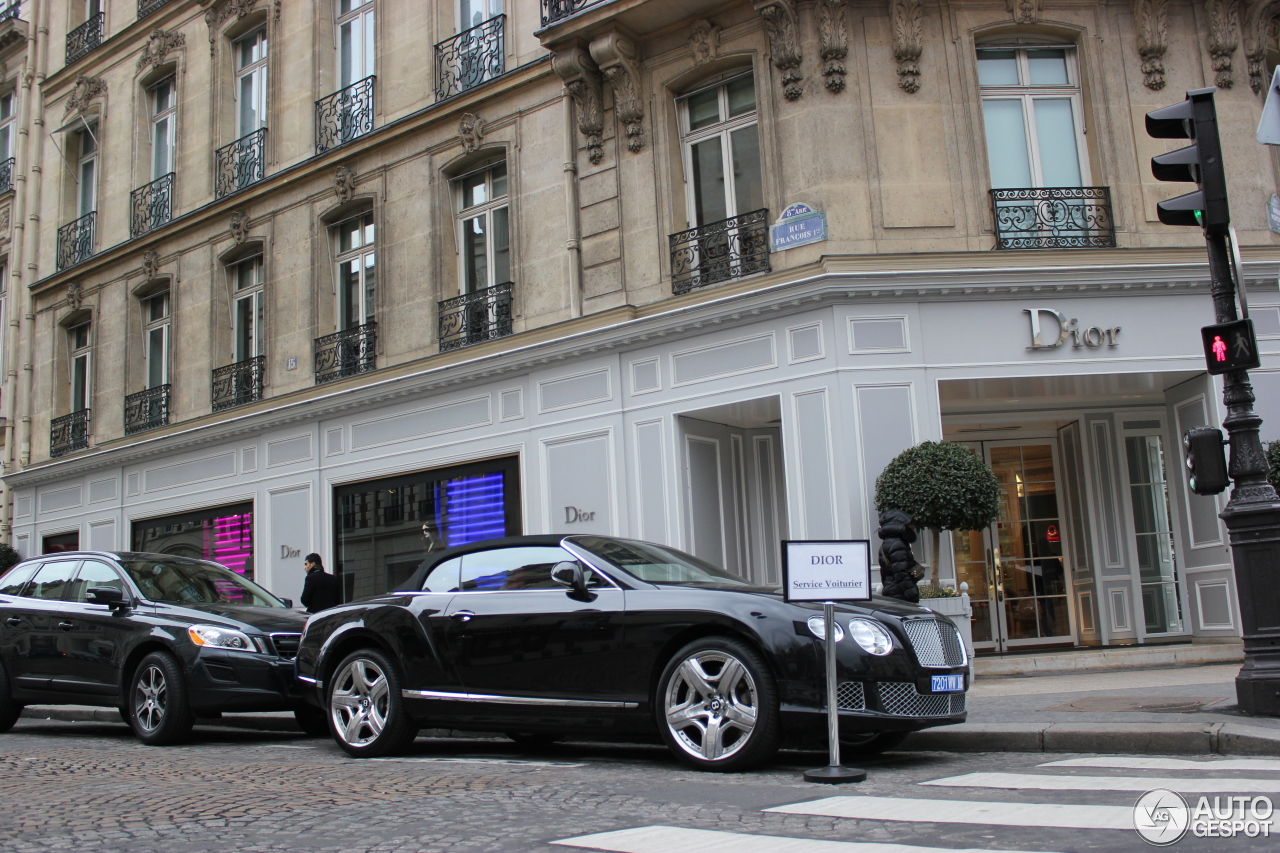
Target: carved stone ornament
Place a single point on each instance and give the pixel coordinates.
(1153, 40)
(222, 10)
(616, 57)
(783, 26)
(239, 227)
(75, 296)
(704, 41)
(1024, 11)
(582, 81)
(344, 183)
(86, 88)
(150, 265)
(4, 225)
(471, 132)
(1259, 31)
(834, 36)
(1224, 38)
(907, 44)
(158, 47)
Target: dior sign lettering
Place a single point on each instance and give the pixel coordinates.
(573, 515)
(287, 553)
(1051, 329)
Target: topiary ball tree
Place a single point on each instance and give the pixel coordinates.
(943, 486)
(8, 557)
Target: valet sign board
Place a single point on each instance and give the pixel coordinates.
(826, 570)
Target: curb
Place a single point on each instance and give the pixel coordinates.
(1117, 738)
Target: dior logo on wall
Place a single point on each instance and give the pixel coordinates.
(1050, 329)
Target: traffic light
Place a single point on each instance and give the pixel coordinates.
(1230, 346)
(1206, 460)
(1196, 119)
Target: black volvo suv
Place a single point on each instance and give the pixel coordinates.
(165, 639)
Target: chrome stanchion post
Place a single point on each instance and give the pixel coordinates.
(833, 773)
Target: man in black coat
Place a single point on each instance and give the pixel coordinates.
(899, 570)
(320, 591)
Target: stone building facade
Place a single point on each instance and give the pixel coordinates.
(372, 278)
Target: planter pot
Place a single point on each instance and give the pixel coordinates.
(957, 609)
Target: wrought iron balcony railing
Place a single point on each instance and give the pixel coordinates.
(10, 13)
(720, 251)
(471, 57)
(6, 175)
(68, 433)
(555, 10)
(85, 37)
(238, 384)
(151, 206)
(1053, 218)
(146, 410)
(75, 241)
(346, 353)
(241, 163)
(473, 318)
(146, 7)
(345, 115)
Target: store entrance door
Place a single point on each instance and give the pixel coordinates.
(1017, 568)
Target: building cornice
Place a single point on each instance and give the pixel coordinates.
(873, 278)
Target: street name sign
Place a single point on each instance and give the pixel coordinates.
(799, 225)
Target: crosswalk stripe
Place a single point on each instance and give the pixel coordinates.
(671, 839)
(1124, 762)
(966, 811)
(1108, 783)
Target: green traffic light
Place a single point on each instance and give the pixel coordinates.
(1200, 218)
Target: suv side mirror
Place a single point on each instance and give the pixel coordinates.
(107, 595)
(288, 602)
(571, 574)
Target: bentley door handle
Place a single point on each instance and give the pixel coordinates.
(13, 621)
(462, 615)
(66, 626)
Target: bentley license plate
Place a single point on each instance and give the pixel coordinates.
(948, 683)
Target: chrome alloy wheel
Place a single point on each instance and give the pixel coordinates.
(359, 702)
(711, 705)
(151, 698)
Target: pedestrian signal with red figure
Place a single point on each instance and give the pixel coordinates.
(1230, 346)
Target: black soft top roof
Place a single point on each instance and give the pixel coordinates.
(433, 560)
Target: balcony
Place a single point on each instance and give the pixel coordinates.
(470, 58)
(238, 384)
(75, 241)
(6, 175)
(12, 28)
(728, 249)
(346, 353)
(10, 14)
(1053, 218)
(146, 410)
(151, 206)
(85, 37)
(558, 10)
(146, 7)
(241, 163)
(345, 115)
(68, 433)
(474, 318)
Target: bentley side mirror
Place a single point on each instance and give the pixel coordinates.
(108, 595)
(570, 574)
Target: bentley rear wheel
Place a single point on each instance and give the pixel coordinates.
(365, 707)
(717, 706)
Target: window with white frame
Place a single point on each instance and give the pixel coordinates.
(721, 149)
(355, 41)
(473, 13)
(80, 344)
(357, 271)
(163, 119)
(1031, 109)
(247, 279)
(251, 82)
(8, 106)
(4, 302)
(484, 231)
(87, 171)
(155, 316)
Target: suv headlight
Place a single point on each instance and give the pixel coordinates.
(871, 635)
(221, 638)
(818, 627)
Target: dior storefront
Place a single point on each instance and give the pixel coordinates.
(727, 427)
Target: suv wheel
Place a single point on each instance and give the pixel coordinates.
(365, 707)
(158, 709)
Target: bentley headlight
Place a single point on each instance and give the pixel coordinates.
(871, 635)
(818, 627)
(214, 637)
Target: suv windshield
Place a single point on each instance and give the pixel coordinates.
(656, 563)
(195, 582)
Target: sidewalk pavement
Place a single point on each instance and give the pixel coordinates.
(1184, 710)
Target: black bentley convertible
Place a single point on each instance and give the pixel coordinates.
(542, 636)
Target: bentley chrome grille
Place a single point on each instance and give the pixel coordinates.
(901, 699)
(936, 642)
(851, 696)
